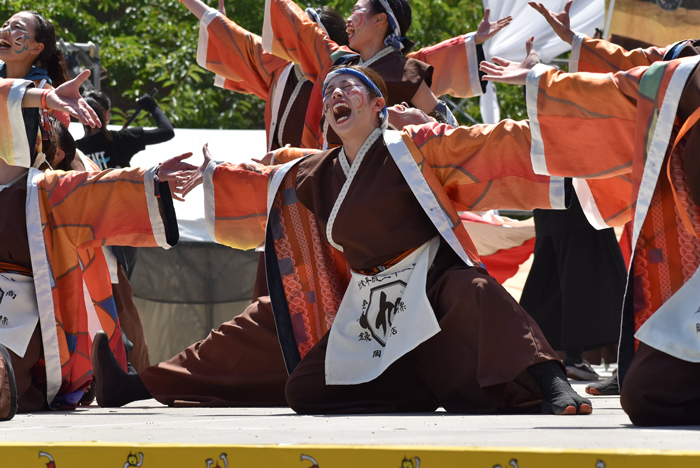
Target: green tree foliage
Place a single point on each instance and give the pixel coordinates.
(153, 43)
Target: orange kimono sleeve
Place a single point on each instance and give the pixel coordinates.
(235, 203)
(289, 33)
(600, 56)
(487, 167)
(236, 56)
(583, 126)
(114, 207)
(456, 66)
(285, 155)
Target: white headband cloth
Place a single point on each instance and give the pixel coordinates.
(394, 39)
(313, 14)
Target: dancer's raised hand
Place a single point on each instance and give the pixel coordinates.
(560, 22)
(504, 71)
(222, 8)
(197, 176)
(487, 29)
(67, 98)
(176, 172)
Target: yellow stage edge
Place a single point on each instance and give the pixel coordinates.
(125, 455)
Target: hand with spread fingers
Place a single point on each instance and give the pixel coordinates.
(197, 176)
(487, 29)
(176, 172)
(560, 22)
(67, 98)
(504, 71)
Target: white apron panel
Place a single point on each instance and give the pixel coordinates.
(381, 318)
(19, 311)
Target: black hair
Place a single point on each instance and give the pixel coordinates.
(51, 58)
(101, 98)
(59, 138)
(334, 24)
(438, 116)
(402, 11)
(100, 103)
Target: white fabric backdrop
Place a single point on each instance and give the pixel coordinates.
(586, 15)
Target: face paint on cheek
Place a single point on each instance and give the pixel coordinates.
(19, 48)
(358, 20)
(358, 99)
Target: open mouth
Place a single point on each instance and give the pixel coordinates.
(341, 112)
(350, 30)
(5, 44)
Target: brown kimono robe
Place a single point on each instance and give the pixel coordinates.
(468, 168)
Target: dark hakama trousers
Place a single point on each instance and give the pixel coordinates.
(576, 285)
(477, 363)
(661, 390)
(130, 321)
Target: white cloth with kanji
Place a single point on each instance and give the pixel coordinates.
(381, 318)
(19, 311)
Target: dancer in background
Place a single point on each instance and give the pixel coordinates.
(44, 332)
(28, 50)
(241, 64)
(377, 32)
(115, 148)
(626, 110)
(600, 56)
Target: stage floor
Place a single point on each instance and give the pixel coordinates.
(150, 422)
(504, 440)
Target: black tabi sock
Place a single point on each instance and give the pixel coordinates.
(609, 386)
(557, 395)
(114, 387)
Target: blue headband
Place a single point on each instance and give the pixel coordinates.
(383, 114)
(315, 16)
(394, 39)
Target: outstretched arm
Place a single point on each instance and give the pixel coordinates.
(567, 109)
(487, 166)
(116, 207)
(290, 34)
(197, 7)
(424, 99)
(65, 98)
(235, 200)
(234, 54)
